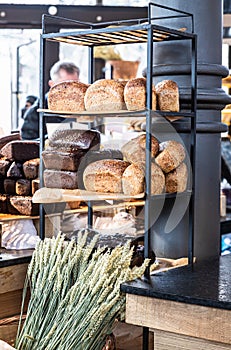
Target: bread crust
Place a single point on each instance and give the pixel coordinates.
(134, 150)
(105, 175)
(172, 153)
(176, 180)
(135, 95)
(105, 95)
(133, 180)
(168, 96)
(67, 96)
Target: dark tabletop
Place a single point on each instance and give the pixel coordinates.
(208, 284)
(9, 257)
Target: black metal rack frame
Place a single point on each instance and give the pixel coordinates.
(131, 31)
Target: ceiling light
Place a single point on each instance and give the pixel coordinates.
(52, 10)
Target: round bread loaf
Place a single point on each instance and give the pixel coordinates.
(157, 179)
(176, 180)
(168, 96)
(134, 150)
(105, 95)
(105, 175)
(67, 96)
(133, 180)
(172, 153)
(135, 94)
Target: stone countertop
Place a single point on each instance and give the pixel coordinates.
(207, 284)
(14, 257)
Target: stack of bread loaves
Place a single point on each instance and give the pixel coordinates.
(63, 156)
(19, 166)
(168, 170)
(111, 95)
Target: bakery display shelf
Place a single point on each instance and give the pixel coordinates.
(115, 33)
(120, 113)
(10, 217)
(51, 195)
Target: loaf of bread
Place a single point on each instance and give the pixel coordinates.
(22, 205)
(23, 187)
(67, 96)
(20, 151)
(10, 186)
(167, 96)
(134, 150)
(105, 95)
(15, 170)
(31, 168)
(8, 138)
(73, 140)
(157, 179)
(172, 153)
(105, 175)
(176, 180)
(60, 179)
(133, 180)
(4, 166)
(92, 156)
(35, 184)
(58, 160)
(135, 94)
(3, 203)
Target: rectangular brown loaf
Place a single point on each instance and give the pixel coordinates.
(59, 160)
(20, 150)
(60, 179)
(31, 168)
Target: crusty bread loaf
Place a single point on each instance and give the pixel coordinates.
(134, 150)
(167, 96)
(135, 94)
(172, 153)
(133, 180)
(22, 205)
(176, 180)
(105, 95)
(23, 187)
(58, 160)
(105, 175)
(157, 179)
(67, 96)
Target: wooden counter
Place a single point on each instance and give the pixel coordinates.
(186, 309)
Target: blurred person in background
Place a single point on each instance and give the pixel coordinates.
(60, 71)
(30, 100)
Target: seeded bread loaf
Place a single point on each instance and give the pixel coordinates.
(105, 95)
(172, 153)
(133, 180)
(67, 96)
(135, 94)
(23, 187)
(134, 150)
(105, 175)
(60, 160)
(176, 180)
(167, 96)
(22, 205)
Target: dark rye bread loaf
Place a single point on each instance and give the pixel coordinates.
(60, 179)
(15, 170)
(22, 205)
(31, 168)
(20, 151)
(73, 140)
(3, 204)
(23, 187)
(10, 186)
(61, 160)
(8, 138)
(4, 166)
